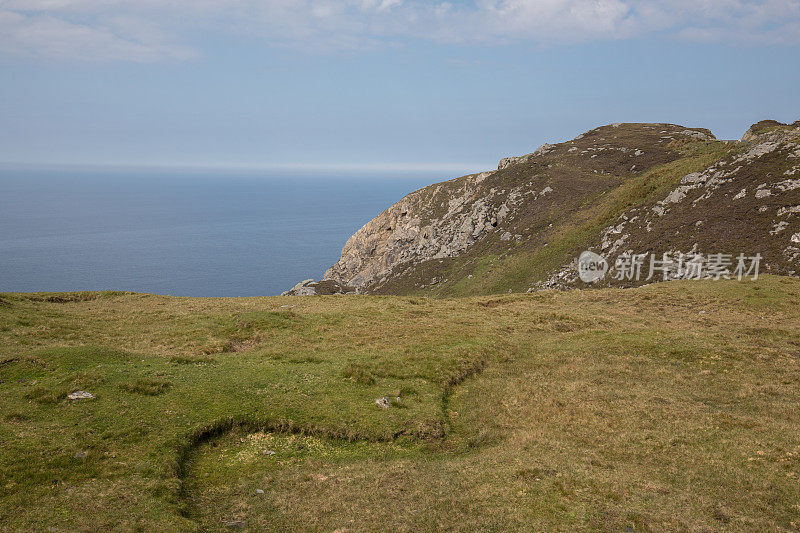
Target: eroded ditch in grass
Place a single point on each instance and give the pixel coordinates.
(241, 473)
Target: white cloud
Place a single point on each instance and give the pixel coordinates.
(152, 30)
(50, 36)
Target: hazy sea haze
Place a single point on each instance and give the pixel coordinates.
(182, 233)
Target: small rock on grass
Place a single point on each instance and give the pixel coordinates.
(259, 491)
(81, 455)
(80, 395)
(267, 452)
(383, 403)
(236, 524)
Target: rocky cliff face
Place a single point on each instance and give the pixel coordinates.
(432, 223)
(614, 189)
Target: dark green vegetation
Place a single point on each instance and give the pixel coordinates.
(666, 408)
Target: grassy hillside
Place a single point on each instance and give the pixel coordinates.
(667, 407)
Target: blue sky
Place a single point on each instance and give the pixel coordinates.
(377, 84)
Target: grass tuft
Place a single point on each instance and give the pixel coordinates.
(358, 374)
(147, 387)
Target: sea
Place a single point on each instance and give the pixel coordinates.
(182, 233)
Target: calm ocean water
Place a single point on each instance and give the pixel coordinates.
(181, 234)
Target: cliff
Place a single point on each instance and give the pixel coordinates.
(617, 189)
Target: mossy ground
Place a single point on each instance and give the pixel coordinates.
(667, 407)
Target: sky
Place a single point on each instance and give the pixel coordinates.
(376, 85)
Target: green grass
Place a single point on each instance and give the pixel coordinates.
(587, 410)
(147, 387)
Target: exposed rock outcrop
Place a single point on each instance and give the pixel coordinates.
(309, 287)
(432, 223)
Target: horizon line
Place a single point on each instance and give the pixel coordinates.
(457, 169)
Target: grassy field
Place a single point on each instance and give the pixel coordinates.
(671, 407)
